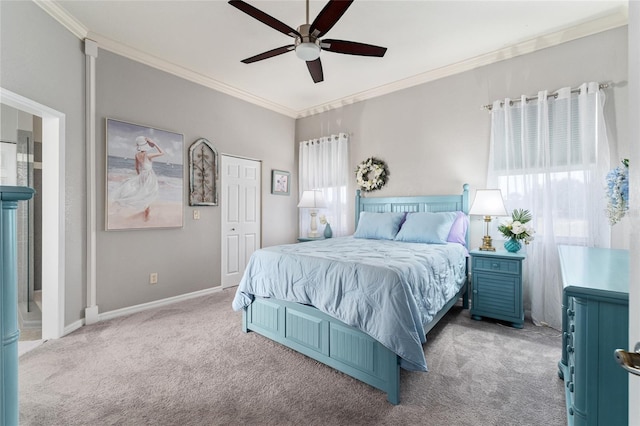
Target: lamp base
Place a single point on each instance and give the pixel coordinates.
(486, 244)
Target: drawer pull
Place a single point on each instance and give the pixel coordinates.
(572, 328)
(495, 265)
(569, 348)
(570, 312)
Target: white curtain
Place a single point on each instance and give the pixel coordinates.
(550, 155)
(324, 165)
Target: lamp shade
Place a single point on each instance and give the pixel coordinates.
(312, 199)
(488, 202)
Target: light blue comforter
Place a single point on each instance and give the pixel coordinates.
(388, 289)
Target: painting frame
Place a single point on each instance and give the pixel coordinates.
(144, 177)
(203, 173)
(280, 182)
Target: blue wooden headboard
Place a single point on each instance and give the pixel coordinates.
(421, 203)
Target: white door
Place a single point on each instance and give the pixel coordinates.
(240, 180)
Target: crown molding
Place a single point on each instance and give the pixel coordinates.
(76, 28)
(614, 20)
(195, 77)
(58, 13)
(608, 22)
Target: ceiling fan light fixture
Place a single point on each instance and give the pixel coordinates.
(308, 51)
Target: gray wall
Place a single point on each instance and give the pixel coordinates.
(186, 259)
(435, 136)
(44, 62)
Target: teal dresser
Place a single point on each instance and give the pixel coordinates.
(497, 286)
(9, 197)
(595, 322)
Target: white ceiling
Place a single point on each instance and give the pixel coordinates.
(204, 41)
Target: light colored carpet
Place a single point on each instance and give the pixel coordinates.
(190, 364)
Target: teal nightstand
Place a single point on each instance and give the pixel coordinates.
(497, 286)
(305, 239)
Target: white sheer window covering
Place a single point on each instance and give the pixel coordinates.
(324, 164)
(550, 155)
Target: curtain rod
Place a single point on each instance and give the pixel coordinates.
(489, 107)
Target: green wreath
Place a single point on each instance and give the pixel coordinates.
(371, 174)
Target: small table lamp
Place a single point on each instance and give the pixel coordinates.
(488, 202)
(312, 200)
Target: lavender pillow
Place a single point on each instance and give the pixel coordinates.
(458, 231)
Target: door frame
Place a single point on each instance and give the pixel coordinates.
(53, 223)
(222, 215)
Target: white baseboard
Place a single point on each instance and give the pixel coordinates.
(155, 304)
(141, 307)
(72, 327)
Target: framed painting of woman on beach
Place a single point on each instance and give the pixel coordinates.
(144, 177)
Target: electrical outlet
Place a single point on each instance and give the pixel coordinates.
(196, 215)
(153, 278)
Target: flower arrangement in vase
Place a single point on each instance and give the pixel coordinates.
(517, 229)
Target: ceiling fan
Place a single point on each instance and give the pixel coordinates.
(307, 37)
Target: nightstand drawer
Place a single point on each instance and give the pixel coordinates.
(505, 266)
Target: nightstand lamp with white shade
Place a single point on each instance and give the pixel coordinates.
(312, 200)
(488, 203)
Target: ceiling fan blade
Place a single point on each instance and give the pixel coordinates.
(352, 48)
(328, 16)
(315, 69)
(269, 54)
(264, 18)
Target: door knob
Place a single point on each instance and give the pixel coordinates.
(630, 361)
(233, 229)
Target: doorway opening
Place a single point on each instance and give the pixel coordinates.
(52, 261)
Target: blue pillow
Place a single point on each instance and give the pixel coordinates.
(426, 227)
(378, 226)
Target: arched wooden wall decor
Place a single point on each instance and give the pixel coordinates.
(203, 174)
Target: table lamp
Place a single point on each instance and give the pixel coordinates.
(488, 202)
(312, 200)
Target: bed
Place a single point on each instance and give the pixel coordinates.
(363, 304)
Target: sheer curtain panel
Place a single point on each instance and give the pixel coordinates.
(550, 155)
(324, 165)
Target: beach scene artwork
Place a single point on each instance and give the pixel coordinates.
(144, 177)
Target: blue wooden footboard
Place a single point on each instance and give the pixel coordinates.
(334, 343)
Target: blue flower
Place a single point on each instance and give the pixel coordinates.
(617, 181)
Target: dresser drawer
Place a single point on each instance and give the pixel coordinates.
(505, 266)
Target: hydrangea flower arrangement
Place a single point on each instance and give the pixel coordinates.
(618, 192)
(517, 227)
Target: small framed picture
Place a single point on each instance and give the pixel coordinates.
(280, 182)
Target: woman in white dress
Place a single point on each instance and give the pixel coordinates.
(140, 191)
